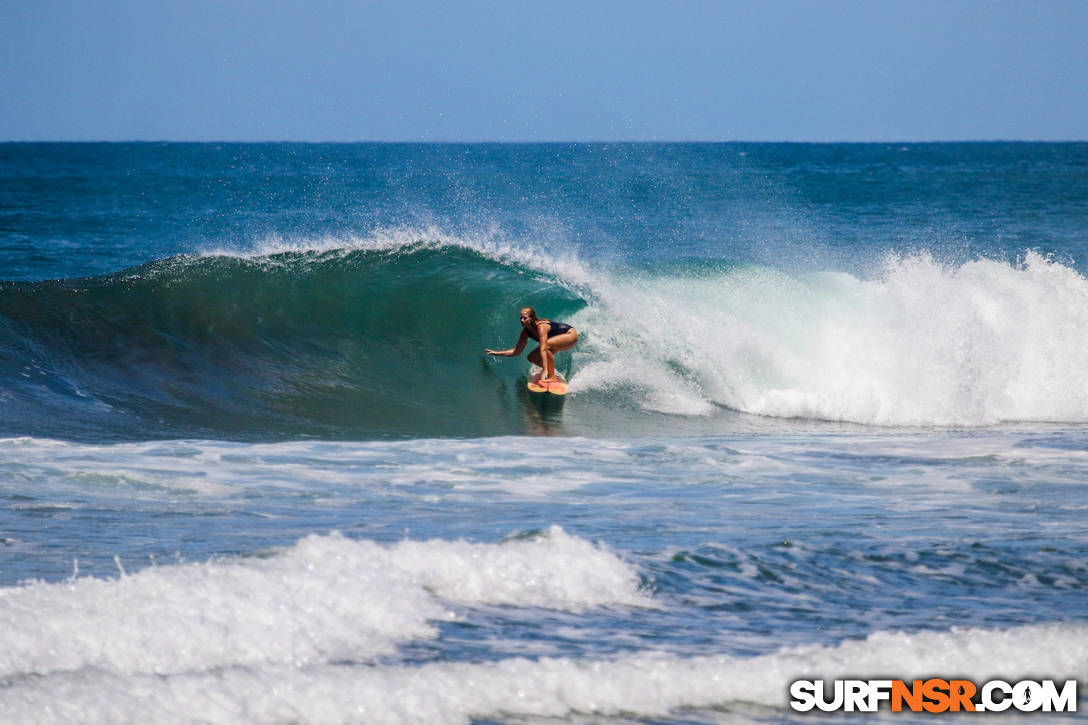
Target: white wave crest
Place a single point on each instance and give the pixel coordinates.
(647, 684)
(328, 598)
(491, 242)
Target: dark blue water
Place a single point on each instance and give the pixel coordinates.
(75, 210)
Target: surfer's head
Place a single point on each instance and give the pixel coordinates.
(528, 315)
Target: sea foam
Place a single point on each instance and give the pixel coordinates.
(920, 344)
(328, 598)
(646, 684)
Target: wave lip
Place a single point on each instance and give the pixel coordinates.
(488, 243)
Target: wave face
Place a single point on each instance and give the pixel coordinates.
(340, 341)
(384, 337)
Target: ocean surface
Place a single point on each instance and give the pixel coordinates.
(828, 417)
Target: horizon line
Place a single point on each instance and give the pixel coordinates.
(481, 142)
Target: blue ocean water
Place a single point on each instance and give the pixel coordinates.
(828, 417)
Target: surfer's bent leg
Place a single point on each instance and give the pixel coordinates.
(559, 343)
(534, 358)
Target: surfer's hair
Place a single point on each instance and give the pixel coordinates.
(531, 311)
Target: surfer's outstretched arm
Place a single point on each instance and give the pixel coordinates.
(514, 351)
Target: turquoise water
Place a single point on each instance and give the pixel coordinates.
(828, 417)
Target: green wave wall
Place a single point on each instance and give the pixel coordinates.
(339, 343)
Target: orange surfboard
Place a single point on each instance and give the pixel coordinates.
(555, 387)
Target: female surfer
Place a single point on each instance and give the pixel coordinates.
(553, 337)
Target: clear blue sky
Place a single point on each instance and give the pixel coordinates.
(472, 70)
